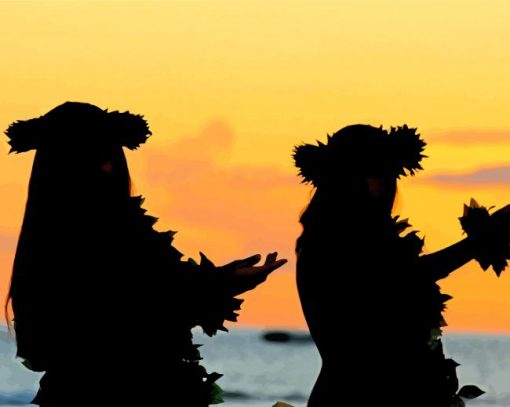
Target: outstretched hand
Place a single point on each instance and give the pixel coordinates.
(245, 275)
(489, 233)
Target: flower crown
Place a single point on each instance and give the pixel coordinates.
(361, 150)
(75, 123)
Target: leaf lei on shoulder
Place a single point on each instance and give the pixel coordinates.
(491, 238)
(413, 243)
(211, 392)
(217, 304)
(446, 367)
(214, 305)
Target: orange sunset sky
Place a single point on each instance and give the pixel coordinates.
(229, 87)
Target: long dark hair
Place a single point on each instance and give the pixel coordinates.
(66, 189)
(345, 206)
(79, 181)
(355, 174)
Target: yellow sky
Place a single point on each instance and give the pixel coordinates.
(229, 87)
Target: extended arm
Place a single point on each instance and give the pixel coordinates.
(202, 293)
(215, 288)
(487, 242)
(441, 263)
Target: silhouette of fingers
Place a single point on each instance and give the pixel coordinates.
(261, 272)
(271, 258)
(247, 278)
(271, 264)
(274, 265)
(247, 262)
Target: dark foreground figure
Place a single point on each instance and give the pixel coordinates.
(368, 293)
(103, 303)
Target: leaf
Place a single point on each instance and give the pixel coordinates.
(27, 364)
(205, 263)
(216, 394)
(452, 364)
(465, 210)
(434, 336)
(212, 377)
(151, 220)
(169, 235)
(457, 402)
(445, 297)
(470, 392)
(192, 262)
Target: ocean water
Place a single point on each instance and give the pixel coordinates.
(258, 373)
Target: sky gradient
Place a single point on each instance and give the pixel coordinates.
(228, 88)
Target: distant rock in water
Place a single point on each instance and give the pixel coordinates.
(285, 336)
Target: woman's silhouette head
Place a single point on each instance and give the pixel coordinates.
(79, 172)
(361, 151)
(357, 168)
(79, 149)
(74, 124)
(79, 157)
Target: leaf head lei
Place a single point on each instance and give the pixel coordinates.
(78, 124)
(362, 150)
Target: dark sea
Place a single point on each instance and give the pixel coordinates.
(258, 373)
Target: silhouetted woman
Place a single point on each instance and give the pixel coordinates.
(369, 296)
(103, 303)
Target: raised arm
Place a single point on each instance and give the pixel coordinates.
(441, 263)
(215, 288)
(487, 242)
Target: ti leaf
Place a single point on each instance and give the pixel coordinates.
(216, 394)
(457, 402)
(470, 392)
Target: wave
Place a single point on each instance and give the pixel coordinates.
(238, 395)
(19, 398)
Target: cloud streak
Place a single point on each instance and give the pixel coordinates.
(483, 176)
(471, 137)
(229, 211)
(193, 186)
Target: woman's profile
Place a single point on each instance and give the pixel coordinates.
(368, 293)
(103, 303)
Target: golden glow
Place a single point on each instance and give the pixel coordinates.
(232, 86)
